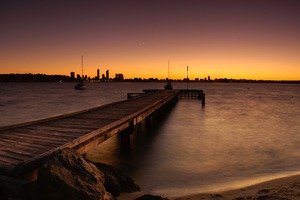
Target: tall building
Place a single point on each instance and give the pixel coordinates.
(107, 75)
(72, 74)
(98, 74)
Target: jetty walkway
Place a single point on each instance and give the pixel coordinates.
(25, 147)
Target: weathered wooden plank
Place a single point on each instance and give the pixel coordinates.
(86, 122)
(38, 136)
(63, 130)
(18, 148)
(14, 155)
(26, 151)
(4, 163)
(77, 126)
(30, 123)
(21, 144)
(44, 133)
(114, 115)
(6, 158)
(31, 140)
(104, 114)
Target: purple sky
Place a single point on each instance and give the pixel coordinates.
(238, 39)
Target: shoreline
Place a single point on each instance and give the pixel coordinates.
(287, 187)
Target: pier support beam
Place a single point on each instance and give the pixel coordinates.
(125, 140)
(125, 137)
(149, 121)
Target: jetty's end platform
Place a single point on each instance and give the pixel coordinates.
(182, 94)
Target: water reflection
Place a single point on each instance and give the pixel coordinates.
(241, 135)
(232, 143)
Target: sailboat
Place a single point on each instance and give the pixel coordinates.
(168, 86)
(80, 85)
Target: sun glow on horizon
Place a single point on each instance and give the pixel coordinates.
(237, 40)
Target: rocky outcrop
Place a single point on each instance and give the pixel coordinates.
(116, 181)
(68, 176)
(150, 197)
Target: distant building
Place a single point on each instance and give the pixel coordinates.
(208, 78)
(72, 74)
(119, 77)
(107, 75)
(98, 74)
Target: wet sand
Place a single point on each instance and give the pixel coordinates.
(287, 188)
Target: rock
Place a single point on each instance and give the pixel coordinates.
(68, 176)
(240, 198)
(216, 196)
(116, 181)
(270, 197)
(263, 191)
(150, 197)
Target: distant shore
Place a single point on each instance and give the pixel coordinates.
(64, 78)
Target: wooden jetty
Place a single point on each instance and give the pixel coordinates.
(25, 147)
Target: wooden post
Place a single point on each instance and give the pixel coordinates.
(125, 137)
(149, 121)
(125, 140)
(203, 99)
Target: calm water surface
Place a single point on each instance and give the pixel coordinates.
(246, 133)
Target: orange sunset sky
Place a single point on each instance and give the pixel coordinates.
(252, 39)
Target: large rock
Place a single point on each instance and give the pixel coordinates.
(116, 181)
(151, 197)
(68, 176)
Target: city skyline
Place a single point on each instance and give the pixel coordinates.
(235, 39)
(39, 77)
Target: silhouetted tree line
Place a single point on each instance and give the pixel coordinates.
(34, 78)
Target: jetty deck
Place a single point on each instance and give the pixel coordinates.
(25, 147)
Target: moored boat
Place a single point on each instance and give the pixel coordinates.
(80, 86)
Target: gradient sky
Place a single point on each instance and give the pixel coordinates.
(252, 39)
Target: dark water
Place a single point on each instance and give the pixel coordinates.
(246, 133)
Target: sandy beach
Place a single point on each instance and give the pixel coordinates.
(287, 188)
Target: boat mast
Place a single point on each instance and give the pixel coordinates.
(168, 69)
(187, 77)
(82, 67)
